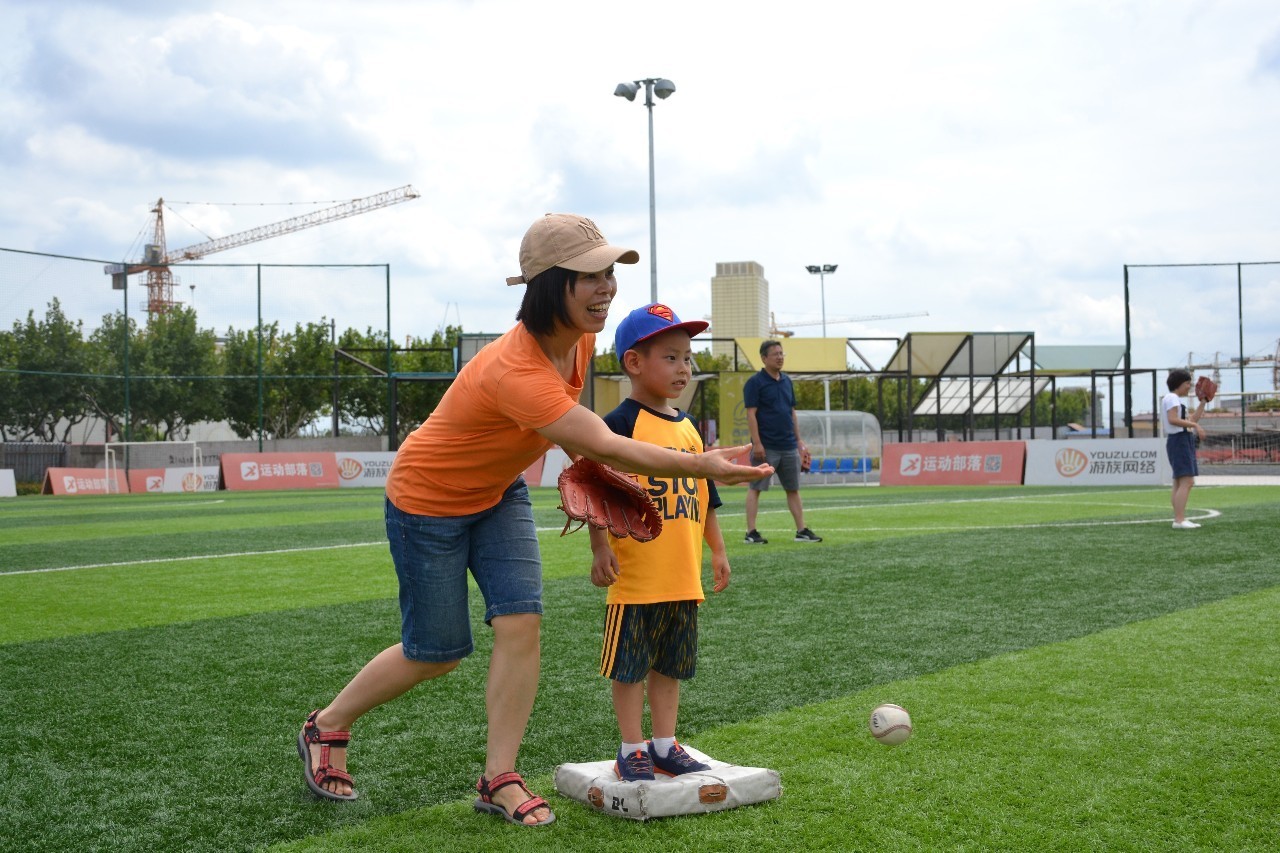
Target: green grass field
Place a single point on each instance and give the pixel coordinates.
(1080, 676)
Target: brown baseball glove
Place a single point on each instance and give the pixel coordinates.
(1205, 389)
(604, 497)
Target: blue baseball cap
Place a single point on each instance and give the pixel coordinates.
(650, 320)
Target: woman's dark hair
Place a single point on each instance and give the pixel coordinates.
(1176, 377)
(544, 305)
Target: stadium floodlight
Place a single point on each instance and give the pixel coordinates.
(822, 272)
(663, 88)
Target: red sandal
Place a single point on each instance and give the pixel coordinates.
(488, 788)
(326, 772)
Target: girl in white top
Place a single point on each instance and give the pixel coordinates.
(1179, 429)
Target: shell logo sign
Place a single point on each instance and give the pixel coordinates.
(348, 468)
(1071, 462)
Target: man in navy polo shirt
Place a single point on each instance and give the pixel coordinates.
(770, 401)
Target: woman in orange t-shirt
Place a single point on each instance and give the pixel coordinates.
(456, 503)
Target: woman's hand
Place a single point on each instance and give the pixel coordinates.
(719, 466)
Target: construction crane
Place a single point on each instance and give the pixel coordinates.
(156, 257)
(785, 332)
(1235, 361)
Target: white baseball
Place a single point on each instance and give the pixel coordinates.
(890, 724)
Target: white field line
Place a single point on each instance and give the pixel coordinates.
(189, 559)
(808, 510)
(1031, 499)
(895, 505)
(1209, 513)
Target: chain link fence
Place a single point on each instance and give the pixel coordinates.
(241, 351)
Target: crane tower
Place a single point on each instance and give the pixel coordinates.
(157, 259)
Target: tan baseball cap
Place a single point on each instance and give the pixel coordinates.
(569, 241)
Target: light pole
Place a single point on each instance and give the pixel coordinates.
(663, 88)
(822, 272)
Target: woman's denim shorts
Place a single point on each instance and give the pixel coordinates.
(432, 554)
(1181, 448)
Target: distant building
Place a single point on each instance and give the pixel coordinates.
(1217, 421)
(739, 304)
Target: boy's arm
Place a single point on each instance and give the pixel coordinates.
(604, 563)
(719, 559)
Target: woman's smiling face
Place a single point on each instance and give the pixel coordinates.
(588, 302)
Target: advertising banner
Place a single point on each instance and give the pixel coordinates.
(153, 480)
(83, 481)
(241, 471)
(960, 463)
(364, 469)
(733, 414)
(1098, 462)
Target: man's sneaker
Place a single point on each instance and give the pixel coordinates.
(677, 762)
(754, 538)
(807, 535)
(634, 766)
(1185, 525)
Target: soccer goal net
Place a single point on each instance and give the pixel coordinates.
(157, 457)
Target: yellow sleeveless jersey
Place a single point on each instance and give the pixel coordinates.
(668, 568)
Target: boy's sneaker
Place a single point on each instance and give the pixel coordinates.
(807, 535)
(1185, 525)
(634, 766)
(754, 538)
(677, 762)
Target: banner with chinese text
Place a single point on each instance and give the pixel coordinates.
(1098, 462)
(958, 463)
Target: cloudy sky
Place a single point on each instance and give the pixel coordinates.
(995, 164)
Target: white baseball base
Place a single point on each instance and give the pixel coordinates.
(724, 786)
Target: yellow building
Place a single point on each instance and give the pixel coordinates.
(739, 304)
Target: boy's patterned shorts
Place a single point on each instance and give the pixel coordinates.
(640, 637)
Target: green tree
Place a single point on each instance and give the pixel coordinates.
(362, 391)
(415, 401)
(241, 370)
(296, 373)
(48, 405)
(171, 354)
(8, 383)
(106, 358)
(1073, 406)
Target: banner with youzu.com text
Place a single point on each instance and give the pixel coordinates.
(1098, 462)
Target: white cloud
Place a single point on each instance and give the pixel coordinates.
(995, 165)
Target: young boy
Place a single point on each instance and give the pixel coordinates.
(651, 621)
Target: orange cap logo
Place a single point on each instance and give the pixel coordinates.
(664, 312)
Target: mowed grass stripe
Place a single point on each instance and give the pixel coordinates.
(153, 593)
(64, 604)
(56, 510)
(122, 737)
(1079, 745)
(111, 529)
(222, 518)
